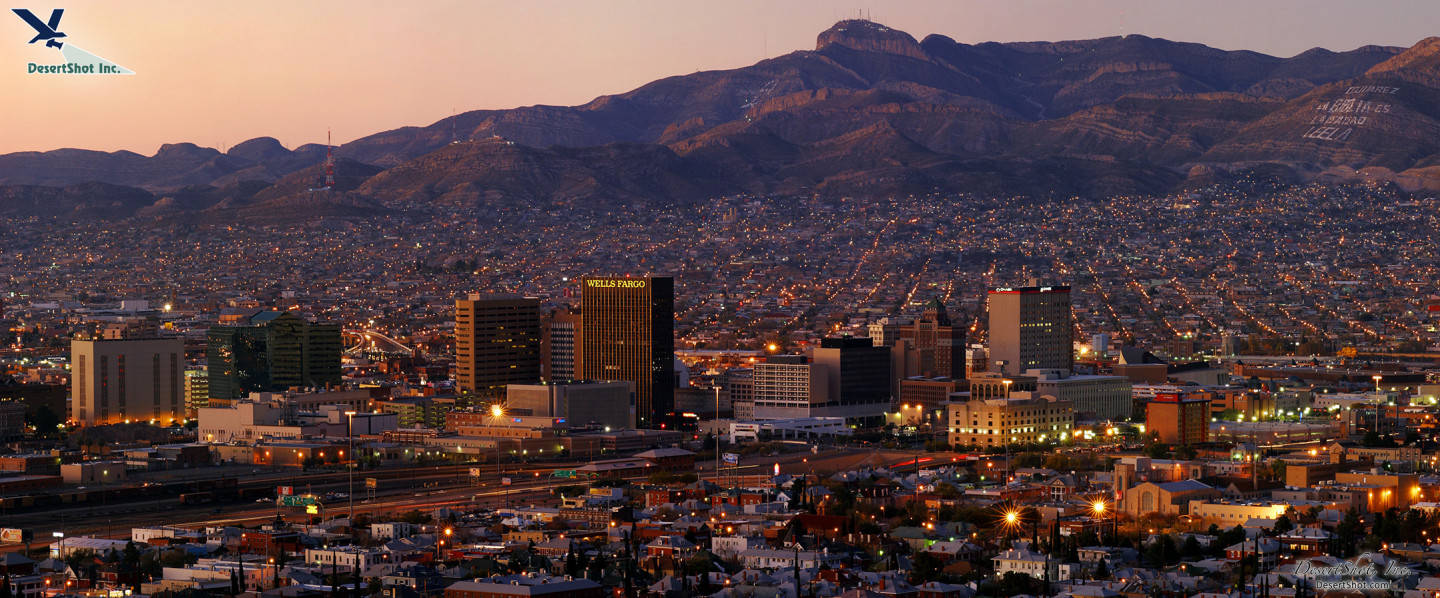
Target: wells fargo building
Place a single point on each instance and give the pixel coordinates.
(628, 333)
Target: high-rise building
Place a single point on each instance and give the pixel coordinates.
(276, 350)
(559, 341)
(858, 378)
(1030, 328)
(497, 342)
(122, 380)
(197, 391)
(940, 345)
(628, 333)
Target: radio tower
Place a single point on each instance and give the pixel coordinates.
(329, 163)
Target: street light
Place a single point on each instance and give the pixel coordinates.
(350, 431)
(1098, 507)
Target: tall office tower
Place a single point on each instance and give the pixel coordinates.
(941, 346)
(1030, 328)
(559, 344)
(122, 380)
(858, 378)
(497, 342)
(628, 333)
(277, 350)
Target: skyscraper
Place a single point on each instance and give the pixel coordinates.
(277, 350)
(1030, 328)
(119, 380)
(497, 342)
(628, 333)
(940, 345)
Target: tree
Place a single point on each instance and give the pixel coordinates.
(1347, 534)
(1190, 549)
(45, 420)
(597, 568)
(1102, 570)
(925, 567)
(1282, 525)
(1277, 469)
(572, 562)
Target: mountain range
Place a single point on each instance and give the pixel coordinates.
(869, 110)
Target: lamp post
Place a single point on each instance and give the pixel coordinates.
(350, 431)
(1380, 402)
(1098, 508)
(716, 433)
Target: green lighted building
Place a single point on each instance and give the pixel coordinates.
(276, 351)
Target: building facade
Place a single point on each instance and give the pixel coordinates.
(858, 379)
(1178, 418)
(277, 350)
(1031, 328)
(497, 342)
(788, 386)
(606, 405)
(628, 333)
(125, 380)
(939, 344)
(559, 345)
(197, 390)
(996, 422)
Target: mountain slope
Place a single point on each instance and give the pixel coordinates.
(869, 110)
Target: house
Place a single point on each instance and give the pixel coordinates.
(676, 547)
(1267, 549)
(1020, 559)
(769, 558)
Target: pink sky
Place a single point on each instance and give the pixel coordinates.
(218, 73)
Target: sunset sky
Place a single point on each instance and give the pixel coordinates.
(218, 73)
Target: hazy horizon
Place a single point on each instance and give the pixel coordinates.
(217, 75)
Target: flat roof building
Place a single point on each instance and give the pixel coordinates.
(628, 333)
(125, 380)
(1030, 328)
(497, 342)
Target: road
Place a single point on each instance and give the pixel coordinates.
(424, 488)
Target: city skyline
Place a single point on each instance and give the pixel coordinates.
(296, 72)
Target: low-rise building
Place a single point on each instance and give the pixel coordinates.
(996, 422)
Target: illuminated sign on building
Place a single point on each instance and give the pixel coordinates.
(616, 283)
